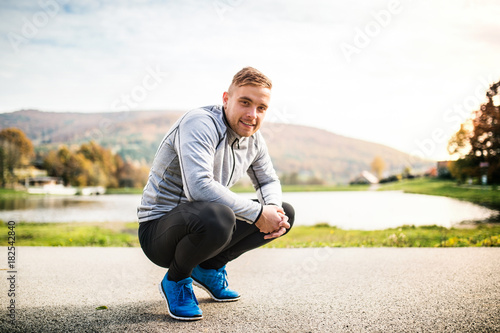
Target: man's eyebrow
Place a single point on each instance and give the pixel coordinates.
(245, 98)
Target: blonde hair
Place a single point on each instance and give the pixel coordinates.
(250, 76)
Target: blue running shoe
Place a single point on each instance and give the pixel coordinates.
(180, 298)
(214, 282)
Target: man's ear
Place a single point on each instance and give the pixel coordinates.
(225, 97)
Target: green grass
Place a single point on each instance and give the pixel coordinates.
(72, 234)
(487, 196)
(124, 190)
(321, 235)
(9, 194)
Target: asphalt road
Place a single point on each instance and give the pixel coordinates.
(283, 290)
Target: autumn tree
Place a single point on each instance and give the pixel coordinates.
(132, 175)
(73, 168)
(93, 165)
(16, 151)
(479, 146)
(378, 166)
(485, 139)
(104, 164)
(459, 144)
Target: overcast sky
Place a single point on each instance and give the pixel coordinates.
(401, 73)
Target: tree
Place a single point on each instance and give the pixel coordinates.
(92, 165)
(132, 174)
(378, 166)
(463, 168)
(406, 173)
(105, 164)
(459, 143)
(16, 150)
(72, 168)
(479, 147)
(485, 140)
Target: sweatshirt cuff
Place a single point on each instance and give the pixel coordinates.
(260, 213)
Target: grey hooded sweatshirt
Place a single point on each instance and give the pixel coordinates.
(199, 159)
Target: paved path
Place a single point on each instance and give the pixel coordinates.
(284, 290)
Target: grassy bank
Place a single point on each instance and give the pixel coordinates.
(6, 193)
(487, 196)
(124, 190)
(125, 235)
(72, 234)
(406, 236)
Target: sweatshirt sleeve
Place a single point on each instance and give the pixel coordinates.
(264, 178)
(197, 140)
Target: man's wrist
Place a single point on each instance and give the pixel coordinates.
(260, 213)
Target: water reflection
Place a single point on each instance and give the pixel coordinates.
(41, 202)
(379, 210)
(104, 208)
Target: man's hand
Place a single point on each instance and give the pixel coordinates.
(272, 222)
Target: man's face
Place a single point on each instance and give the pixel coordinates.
(245, 108)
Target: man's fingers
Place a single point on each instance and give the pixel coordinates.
(280, 232)
(271, 236)
(284, 221)
(285, 224)
(275, 234)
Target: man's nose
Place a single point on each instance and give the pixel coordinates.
(252, 113)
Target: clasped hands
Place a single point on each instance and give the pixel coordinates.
(273, 222)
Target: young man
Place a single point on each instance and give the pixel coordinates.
(190, 222)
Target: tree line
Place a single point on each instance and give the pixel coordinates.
(87, 165)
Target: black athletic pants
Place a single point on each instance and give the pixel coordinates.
(199, 233)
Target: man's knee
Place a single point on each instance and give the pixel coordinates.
(220, 221)
(289, 212)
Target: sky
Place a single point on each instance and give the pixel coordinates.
(403, 73)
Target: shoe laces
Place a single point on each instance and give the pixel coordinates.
(221, 278)
(186, 294)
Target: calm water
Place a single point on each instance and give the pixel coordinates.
(348, 210)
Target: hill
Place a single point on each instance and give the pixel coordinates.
(306, 151)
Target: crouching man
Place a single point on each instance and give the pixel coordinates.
(190, 222)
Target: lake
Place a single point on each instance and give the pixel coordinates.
(365, 210)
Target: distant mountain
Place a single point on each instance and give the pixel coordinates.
(135, 135)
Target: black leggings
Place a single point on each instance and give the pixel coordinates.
(199, 233)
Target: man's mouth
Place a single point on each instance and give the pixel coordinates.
(248, 124)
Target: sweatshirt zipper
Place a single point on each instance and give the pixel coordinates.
(234, 161)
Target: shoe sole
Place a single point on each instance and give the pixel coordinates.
(200, 285)
(162, 292)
